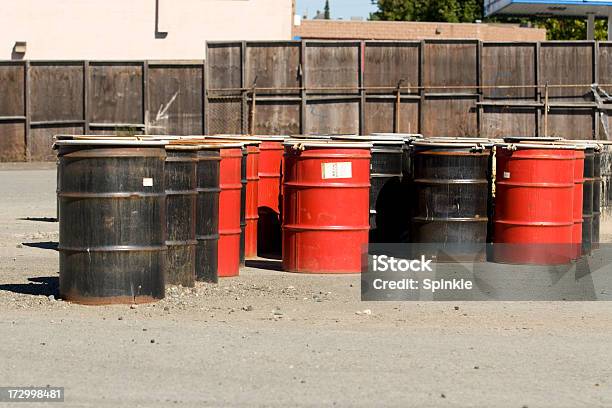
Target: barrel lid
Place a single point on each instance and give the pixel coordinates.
(246, 140)
(548, 146)
(452, 144)
(311, 137)
(203, 144)
(108, 142)
(301, 143)
(517, 139)
(372, 139)
(271, 138)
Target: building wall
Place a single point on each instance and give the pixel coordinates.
(393, 30)
(126, 29)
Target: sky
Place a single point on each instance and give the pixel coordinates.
(344, 9)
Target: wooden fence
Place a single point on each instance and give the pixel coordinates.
(39, 99)
(433, 87)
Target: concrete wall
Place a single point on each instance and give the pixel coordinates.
(126, 29)
(395, 30)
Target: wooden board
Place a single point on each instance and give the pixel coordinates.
(12, 89)
(500, 121)
(277, 118)
(567, 63)
(450, 63)
(175, 100)
(224, 65)
(446, 116)
(115, 93)
(380, 116)
(571, 123)
(41, 140)
(332, 65)
(56, 91)
(509, 64)
(12, 141)
(333, 117)
(273, 65)
(386, 63)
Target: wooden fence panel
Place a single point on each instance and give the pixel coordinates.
(56, 105)
(273, 65)
(449, 116)
(567, 63)
(116, 93)
(450, 63)
(380, 115)
(12, 111)
(175, 102)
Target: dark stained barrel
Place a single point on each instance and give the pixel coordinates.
(207, 213)
(597, 194)
(243, 195)
(587, 200)
(451, 185)
(181, 199)
(113, 221)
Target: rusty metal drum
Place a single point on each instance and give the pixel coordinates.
(450, 189)
(534, 216)
(181, 200)
(597, 194)
(577, 205)
(112, 221)
(326, 206)
(207, 212)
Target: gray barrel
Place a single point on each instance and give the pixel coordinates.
(451, 189)
(207, 213)
(588, 200)
(112, 221)
(181, 199)
(597, 196)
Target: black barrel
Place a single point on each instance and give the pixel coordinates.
(181, 199)
(597, 196)
(207, 213)
(386, 204)
(113, 221)
(587, 200)
(451, 187)
(243, 192)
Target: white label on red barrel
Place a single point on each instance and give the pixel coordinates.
(337, 170)
(506, 174)
(147, 182)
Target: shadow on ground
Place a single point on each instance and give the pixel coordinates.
(268, 264)
(53, 245)
(39, 219)
(40, 286)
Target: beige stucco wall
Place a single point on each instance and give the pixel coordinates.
(125, 29)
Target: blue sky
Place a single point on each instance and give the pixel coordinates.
(344, 9)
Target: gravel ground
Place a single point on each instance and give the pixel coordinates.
(270, 338)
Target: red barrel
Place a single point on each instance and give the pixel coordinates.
(577, 205)
(229, 210)
(325, 206)
(534, 216)
(269, 195)
(252, 201)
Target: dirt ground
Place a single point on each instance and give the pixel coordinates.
(269, 338)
